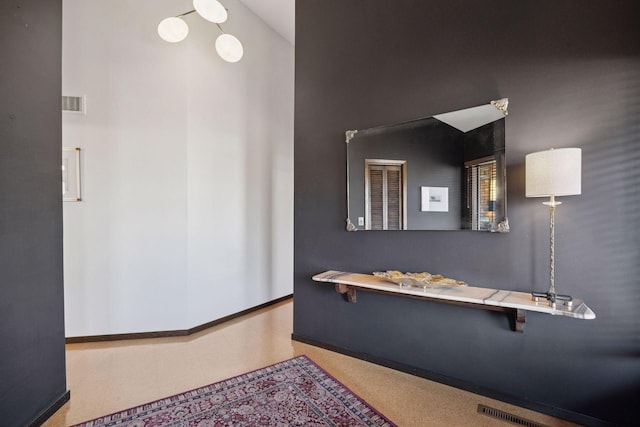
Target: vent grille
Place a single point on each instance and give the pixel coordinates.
(505, 416)
(73, 104)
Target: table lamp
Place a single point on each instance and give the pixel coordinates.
(553, 173)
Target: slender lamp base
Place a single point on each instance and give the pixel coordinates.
(551, 294)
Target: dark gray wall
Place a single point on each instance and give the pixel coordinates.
(32, 361)
(571, 70)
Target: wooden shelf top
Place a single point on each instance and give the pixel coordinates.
(459, 294)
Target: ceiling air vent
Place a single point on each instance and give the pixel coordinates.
(74, 104)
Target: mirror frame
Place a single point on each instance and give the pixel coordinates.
(500, 105)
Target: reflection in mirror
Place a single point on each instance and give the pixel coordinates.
(445, 172)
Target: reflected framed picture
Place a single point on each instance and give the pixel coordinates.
(71, 174)
(435, 199)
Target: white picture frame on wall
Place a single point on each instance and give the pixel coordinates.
(71, 174)
(435, 199)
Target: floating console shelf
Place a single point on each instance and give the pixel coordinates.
(510, 302)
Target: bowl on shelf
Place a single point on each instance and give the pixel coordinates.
(417, 280)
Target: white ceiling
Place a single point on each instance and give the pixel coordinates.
(471, 118)
(278, 14)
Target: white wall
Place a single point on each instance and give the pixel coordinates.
(187, 204)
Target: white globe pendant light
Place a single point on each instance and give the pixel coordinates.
(173, 29)
(229, 48)
(211, 10)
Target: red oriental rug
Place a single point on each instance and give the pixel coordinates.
(296, 392)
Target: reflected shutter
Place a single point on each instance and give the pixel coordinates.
(385, 199)
(376, 181)
(394, 198)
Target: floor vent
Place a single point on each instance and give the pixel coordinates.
(505, 416)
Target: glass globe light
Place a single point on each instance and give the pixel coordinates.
(229, 48)
(211, 10)
(173, 30)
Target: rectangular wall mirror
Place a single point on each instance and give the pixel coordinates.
(444, 172)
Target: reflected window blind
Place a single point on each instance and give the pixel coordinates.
(481, 195)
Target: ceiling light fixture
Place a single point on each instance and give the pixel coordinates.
(211, 10)
(229, 48)
(175, 29)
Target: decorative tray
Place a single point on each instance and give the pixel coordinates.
(418, 280)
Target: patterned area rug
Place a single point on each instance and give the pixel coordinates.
(296, 392)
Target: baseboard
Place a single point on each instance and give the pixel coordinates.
(175, 333)
(47, 413)
(460, 384)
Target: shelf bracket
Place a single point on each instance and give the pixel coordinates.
(519, 319)
(516, 315)
(350, 291)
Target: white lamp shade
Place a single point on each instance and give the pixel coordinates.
(229, 48)
(173, 29)
(554, 173)
(211, 10)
